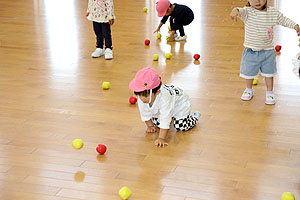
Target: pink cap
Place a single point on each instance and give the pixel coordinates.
(162, 7)
(145, 79)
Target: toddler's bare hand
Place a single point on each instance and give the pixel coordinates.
(151, 129)
(235, 14)
(111, 21)
(171, 38)
(159, 142)
(297, 29)
(156, 31)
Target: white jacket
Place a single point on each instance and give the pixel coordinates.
(170, 103)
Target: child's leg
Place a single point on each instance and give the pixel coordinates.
(249, 83)
(268, 70)
(269, 83)
(185, 124)
(107, 35)
(250, 64)
(181, 31)
(99, 36)
(188, 19)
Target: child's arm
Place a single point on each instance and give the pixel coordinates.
(111, 12)
(235, 14)
(150, 126)
(158, 28)
(161, 140)
(88, 8)
(286, 22)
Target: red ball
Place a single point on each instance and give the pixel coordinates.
(147, 42)
(101, 148)
(196, 56)
(132, 100)
(277, 47)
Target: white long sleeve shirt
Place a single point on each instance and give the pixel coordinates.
(259, 26)
(101, 10)
(170, 102)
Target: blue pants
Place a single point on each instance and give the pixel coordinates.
(253, 61)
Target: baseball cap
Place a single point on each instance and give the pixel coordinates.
(162, 7)
(145, 79)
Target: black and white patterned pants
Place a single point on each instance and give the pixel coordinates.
(184, 124)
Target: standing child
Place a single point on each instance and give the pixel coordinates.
(259, 53)
(180, 15)
(101, 12)
(159, 104)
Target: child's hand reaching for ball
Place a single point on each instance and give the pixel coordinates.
(159, 142)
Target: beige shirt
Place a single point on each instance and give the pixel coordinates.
(259, 26)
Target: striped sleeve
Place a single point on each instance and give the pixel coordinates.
(244, 13)
(284, 21)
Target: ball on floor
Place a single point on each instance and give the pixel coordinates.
(77, 143)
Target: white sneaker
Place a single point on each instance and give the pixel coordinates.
(270, 99)
(247, 95)
(97, 53)
(180, 38)
(195, 114)
(108, 54)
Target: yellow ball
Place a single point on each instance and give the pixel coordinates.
(299, 39)
(169, 27)
(155, 57)
(287, 196)
(77, 143)
(255, 81)
(145, 9)
(168, 55)
(125, 193)
(158, 35)
(105, 85)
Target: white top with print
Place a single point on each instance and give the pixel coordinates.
(170, 102)
(101, 10)
(259, 26)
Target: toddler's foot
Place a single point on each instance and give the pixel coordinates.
(108, 54)
(270, 98)
(247, 95)
(195, 114)
(97, 53)
(180, 38)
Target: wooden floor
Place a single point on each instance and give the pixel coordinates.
(50, 94)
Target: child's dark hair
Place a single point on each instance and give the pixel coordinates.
(170, 5)
(145, 93)
(264, 7)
